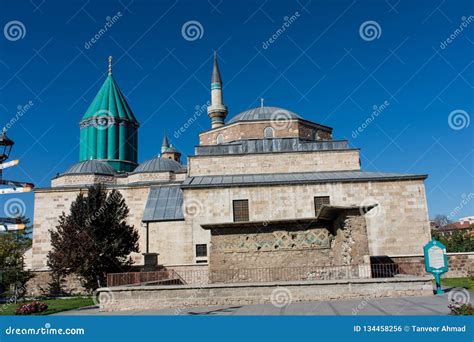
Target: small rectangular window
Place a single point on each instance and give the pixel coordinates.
(201, 251)
(241, 210)
(319, 201)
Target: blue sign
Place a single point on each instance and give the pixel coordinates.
(436, 261)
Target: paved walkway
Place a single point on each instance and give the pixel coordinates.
(432, 305)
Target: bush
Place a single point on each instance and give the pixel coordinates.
(31, 308)
(458, 309)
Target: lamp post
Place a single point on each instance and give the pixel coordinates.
(6, 146)
(10, 186)
(150, 260)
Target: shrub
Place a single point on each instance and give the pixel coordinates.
(31, 308)
(458, 309)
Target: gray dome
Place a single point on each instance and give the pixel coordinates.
(264, 113)
(91, 167)
(158, 164)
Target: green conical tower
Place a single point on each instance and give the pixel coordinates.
(109, 130)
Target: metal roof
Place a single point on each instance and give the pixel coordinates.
(165, 203)
(264, 113)
(293, 178)
(92, 166)
(158, 164)
(270, 145)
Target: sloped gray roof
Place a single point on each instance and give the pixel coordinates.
(158, 164)
(91, 167)
(264, 113)
(165, 203)
(293, 178)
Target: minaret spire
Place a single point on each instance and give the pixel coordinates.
(110, 65)
(217, 111)
(165, 144)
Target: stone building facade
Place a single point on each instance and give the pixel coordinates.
(267, 189)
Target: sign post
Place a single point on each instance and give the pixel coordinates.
(436, 261)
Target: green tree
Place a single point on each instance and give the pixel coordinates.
(13, 276)
(457, 241)
(93, 239)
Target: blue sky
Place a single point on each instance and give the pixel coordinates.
(323, 66)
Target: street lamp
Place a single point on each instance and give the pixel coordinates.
(6, 146)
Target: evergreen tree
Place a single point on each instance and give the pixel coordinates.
(94, 238)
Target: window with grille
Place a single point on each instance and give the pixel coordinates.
(319, 201)
(241, 210)
(201, 251)
(268, 132)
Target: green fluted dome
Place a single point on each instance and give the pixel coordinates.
(110, 101)
(109, 129)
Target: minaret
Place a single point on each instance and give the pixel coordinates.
(168, 151)
(217, 111)
(109, 129)
(165, 144)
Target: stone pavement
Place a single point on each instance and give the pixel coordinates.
(431, 305)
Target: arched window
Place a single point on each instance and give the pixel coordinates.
(220, 139)
(268, 132)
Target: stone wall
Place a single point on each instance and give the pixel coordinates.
(75, 180)
(261, 253)
(350, 246)
(179, 297)
(38, 285)
(254, 130)
(50, 203)
(398, 225)
(460, 264)
(283, 162)
(243, 248)
(173, 240)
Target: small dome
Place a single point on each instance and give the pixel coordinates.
(158, 164)
(264, 113)
(91, 167)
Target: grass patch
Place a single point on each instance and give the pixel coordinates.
(54, 305)
(467, 283)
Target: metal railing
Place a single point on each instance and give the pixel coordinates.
(257, 275)
(164, 277)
